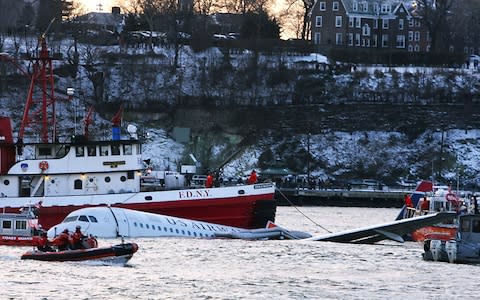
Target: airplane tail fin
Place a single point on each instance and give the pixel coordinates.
(423, 187)
(270, 224)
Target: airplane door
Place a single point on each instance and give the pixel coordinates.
(122, 222)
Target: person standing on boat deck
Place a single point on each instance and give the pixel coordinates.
(209, 181)
(76, 238)
(253, 178)
(62, 241)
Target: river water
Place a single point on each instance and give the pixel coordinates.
(177, 268)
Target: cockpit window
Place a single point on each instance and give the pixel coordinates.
(83, 219)
(70, 219)
(93, 219)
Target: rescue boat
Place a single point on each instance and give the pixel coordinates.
(120, 253)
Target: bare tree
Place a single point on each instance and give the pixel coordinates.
(434, 14)
(303, 6)
(244, 6)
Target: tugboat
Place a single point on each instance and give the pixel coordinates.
(63, 174)
(465, 248)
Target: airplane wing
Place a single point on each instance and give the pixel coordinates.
(391, 231)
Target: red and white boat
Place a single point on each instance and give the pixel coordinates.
(19, 229)
(61, 177)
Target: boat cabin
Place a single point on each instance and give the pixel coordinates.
(23, 224)
(469, 230)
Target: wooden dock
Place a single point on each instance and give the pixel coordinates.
(337, 197)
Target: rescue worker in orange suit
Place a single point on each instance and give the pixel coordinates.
(76, 238)
(44, 243)
(62, 241)
(209, 181)
(253, 178)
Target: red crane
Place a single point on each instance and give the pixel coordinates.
(41, 110)
(87, 121)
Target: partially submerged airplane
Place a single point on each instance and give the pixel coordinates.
(113, 222)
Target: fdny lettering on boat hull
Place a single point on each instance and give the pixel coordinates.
(193, 194)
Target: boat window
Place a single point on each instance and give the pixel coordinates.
(139, 149)
(7, 224)
(93, 219)
(77, 184)
(70, 219)
(130, 174)
(6, 182)
(115, 150)
(465, 226)
(92, 150)
(127, 149)
(21, 224)
(83, 218)
(42, 151)
(107, 179)
(476, 226)
(123, 178)
(79, 151)
(148, 198)
(104, 150)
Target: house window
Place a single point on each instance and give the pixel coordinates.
(358, 22)
(417, 48)
(410, 23)
(417, 36)
(417, 23)
(350, 39)
(366, 42)
(384, 40)
(318, 21)
(410, 48)
(386, 8)
(351, 21)
(317, 38)
(366, 30)
(323, 6)
(355, 6)
(375, 8)
(338, 39)
(338, 21)
(400, 41)
(385, 23)
(400, 24)
(410, 36)
(374, 40)
(357, 39)
(375, 24)
(365, 6)
(335, 6)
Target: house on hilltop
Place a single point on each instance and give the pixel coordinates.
(387, 24)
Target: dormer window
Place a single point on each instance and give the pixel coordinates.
(355, 6)
(365, 6)
(335, 6)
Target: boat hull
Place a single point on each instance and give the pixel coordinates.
(117, 253)
(434, 233)
(250, 206)
(22, 241)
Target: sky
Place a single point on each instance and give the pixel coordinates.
(92, 5)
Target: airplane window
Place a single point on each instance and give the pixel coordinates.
(148, 226)
(200, 234)
(194, 233)
(93, 219)
(153, 227)
(135, 224)
(70, 219)
(177, 231)
(141, 225)
(183, 232)
(171, 229)
(83, 218)
(159, 228)
(189, 233)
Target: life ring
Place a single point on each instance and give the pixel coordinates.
(43, 165)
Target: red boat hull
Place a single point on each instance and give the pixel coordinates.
(434, 232)
(244, 212)
(8, 240)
